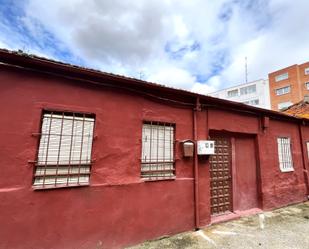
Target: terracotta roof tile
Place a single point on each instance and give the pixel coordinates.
(300, 109)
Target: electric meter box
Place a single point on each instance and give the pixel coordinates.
(188, 149)
(205, 147)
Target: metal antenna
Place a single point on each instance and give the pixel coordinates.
(246, 70)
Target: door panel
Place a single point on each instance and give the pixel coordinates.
(220, 176)
(245, 190)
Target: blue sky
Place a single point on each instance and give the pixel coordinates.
(198, 45)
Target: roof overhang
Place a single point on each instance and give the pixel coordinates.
(91, 76)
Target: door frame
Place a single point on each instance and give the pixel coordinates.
(232, 136)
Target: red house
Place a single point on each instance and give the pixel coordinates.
(96, 160)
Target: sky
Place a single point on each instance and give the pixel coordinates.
(197, 45)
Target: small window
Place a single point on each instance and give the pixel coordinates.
(247, 90)
(283, 76)
(232, 93)
(157, 161)
(284, 105)
(283, 90)
(64, 156)
(284, 154)
(252, 102)
(307, 70)
(307, 149)
(307, 85)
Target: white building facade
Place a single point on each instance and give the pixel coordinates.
(255, 93)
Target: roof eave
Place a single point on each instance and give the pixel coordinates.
(47, 65)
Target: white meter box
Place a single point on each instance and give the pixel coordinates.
(205, 147)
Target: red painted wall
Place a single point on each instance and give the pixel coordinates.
(275, 188)
(305, 134)
(118, 208)
(280, 188)
(227, 121)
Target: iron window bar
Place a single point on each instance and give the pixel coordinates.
(64, 155)
(284, 154)
(157, 161)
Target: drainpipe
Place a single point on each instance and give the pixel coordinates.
(303, 157)
(196, 190)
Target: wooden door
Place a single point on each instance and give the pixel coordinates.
(221, 176)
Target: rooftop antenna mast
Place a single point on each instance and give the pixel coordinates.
(246, 70)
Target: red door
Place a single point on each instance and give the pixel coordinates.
(245, 176)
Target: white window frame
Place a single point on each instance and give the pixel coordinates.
(284, 105)
(230, 93)
(253, 102)
(64, 153)
(306, 71)
(283, 90)
(248, 90)
(282, 76)
(157, 160)
(285, 154)
(307, 149)
(307, 85)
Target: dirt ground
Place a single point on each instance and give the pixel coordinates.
(284, 228)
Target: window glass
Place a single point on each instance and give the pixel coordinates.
(284, 105)
(247, 90)
(283, 76)
(232, 93)
(283, 90)
(252, 102)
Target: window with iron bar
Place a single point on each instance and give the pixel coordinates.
(64, 154)
(157, 162)
(284, 154)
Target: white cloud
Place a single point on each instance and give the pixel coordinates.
(173, 76)
(4, 45)
(202, 88)
(181, 29)
(175, 42)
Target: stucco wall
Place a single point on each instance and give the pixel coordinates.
(281, 188)
(118, 208)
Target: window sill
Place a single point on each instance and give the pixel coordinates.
(155, 180)
(286, 170)
(59, 186)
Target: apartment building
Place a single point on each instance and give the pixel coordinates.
(255, 93)
(288, 86)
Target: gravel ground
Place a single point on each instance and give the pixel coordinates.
(284, 228)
